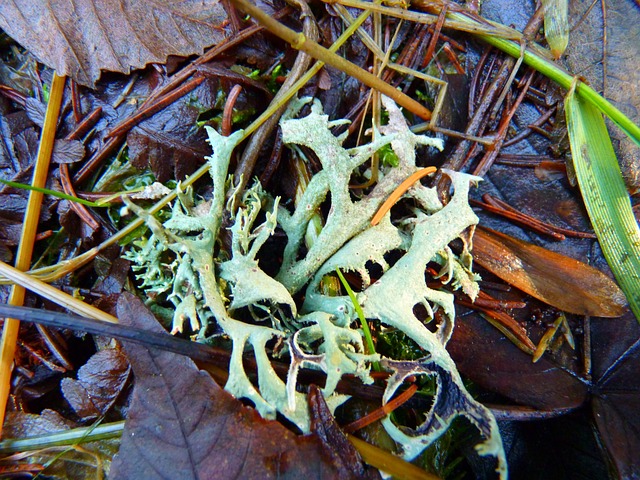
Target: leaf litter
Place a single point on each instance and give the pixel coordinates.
(347, 241)
(193, 316)
(207, 433)
(115, 36)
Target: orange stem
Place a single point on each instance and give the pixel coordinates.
(381, 412)
(27, 239)
(398, 192)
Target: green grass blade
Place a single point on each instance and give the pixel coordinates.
(363, 321)
(53, 193)
(605, 194)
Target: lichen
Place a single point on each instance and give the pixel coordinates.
(215, 292)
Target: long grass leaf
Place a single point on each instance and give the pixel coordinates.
(363, 321)
(54, 193)
(605, 195)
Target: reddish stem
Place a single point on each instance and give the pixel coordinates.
(381, 412)
(161, 103)
(227, 114)
(76, 103)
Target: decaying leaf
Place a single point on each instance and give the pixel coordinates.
(343, 453)
(181, 424)
(21, 424)
(99, 383)
(168, 142)
(616, 390)
(486, 357)
(565, 283)
(80, 39)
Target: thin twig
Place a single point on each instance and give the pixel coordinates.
(227, 113)
(76, 103)
(247, 162)
(381, 412)
(300, 42)
(159, 104)
(65, 176)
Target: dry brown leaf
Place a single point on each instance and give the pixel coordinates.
(555, 279)
(82, 38)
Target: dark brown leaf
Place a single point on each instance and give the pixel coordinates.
(170, 143)
(19, 144)
(81, 38)
(343, 454)
(18, 148)
(67, 151)
(99, 383)
(181, 424)
(21, 424)
(112, 282)
(486, 357)
(616, 391)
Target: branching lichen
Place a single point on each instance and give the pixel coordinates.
(215, 292)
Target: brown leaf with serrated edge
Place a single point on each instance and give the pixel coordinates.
(82, 38)
(181, 424)
(558, 280)
(99, 383)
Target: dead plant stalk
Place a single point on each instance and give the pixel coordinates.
(27, 238)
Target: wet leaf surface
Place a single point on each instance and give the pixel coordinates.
(486, 357)
(114, 36)
(205, 434)
(616, 390)
(343, 453)
(564, 447)
(100, 382)
(555, 279)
